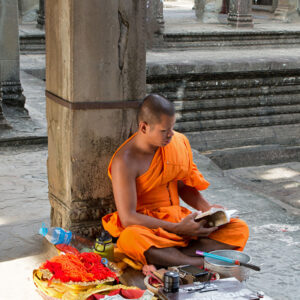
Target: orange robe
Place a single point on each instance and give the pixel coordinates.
(157, 196)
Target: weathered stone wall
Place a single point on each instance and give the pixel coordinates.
(95, 67)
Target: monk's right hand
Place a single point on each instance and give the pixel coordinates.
(188, 227)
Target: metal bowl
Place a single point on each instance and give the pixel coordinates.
(226, 269)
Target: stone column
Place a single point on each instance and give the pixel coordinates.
(41, 14)
(9, 54)
(155, 23)
(27, 9)
(95, 78)
(286, 10)
(3, 123)
(240, 13)
(207, 11)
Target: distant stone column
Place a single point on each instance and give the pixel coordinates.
(3, 123)
(155, 23)
(9, 54)
(207, 11)
(240, 13)
(95, 71)
(41, 14)
(286, 10)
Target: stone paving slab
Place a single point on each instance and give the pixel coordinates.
(24, 205)
(281, 181)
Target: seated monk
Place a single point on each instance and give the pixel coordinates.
(149, 172)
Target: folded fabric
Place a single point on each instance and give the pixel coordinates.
(121, 257)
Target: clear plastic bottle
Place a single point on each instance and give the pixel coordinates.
(56, 235)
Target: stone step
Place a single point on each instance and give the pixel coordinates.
(236, 113)
(34, 43)
(209, 140)
(224, 100)
(239, 122)
(245, 84)
(254, 155)
(245, 38)
(237, 102)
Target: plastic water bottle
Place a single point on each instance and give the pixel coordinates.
(56, 235)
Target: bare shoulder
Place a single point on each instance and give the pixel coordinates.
(124, 163)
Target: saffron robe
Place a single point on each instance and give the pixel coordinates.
(157, 196)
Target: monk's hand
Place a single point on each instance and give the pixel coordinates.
(189, 227)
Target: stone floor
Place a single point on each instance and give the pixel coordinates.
(274, 241)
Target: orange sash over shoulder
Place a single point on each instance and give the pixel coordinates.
(157, 196)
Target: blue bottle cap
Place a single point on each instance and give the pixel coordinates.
(43, 230)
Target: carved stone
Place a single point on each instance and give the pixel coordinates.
(12, 93)
(9, 54)
(41, 14)
(240, 13)
(155, 23)
(97, 49)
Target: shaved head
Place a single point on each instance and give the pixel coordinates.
(152, 107)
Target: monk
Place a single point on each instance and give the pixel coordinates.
(149, 172)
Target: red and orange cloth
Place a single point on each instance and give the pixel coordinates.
(157, 196)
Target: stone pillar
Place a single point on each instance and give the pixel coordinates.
(95, 79)
(27, 10)
(286, 10)
(41, 14)
(3, 123)
(207, 11)
(240, 13)
(155, 23)
(9, 54)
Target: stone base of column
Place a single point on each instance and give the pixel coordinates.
(81, 217)
(40, 21)
(3, 122)
(12, 93)
(285, 14)
(239, 20)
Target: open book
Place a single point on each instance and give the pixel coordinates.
(216, 216)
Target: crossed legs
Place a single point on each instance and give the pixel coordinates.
(183, 256)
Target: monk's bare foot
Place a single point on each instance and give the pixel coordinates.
(170, 257)
(147, 269)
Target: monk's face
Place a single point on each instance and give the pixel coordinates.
(160, 134)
